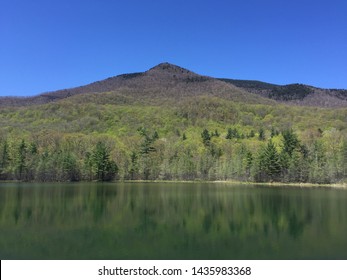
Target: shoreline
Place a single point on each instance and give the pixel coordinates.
(227, 182)
(235, 182)
(281, 184)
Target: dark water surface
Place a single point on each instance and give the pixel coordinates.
(171, 221)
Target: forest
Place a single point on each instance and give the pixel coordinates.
(97, 137)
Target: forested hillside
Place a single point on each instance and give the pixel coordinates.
(296, 94)
(155, 126)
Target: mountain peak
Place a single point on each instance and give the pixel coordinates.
(168, 67)
(172, 81)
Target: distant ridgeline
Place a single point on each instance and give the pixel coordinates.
(303, 94)
(169, 123)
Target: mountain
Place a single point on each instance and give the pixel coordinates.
(164, 81)
(295, 94)
(169, 123)
(170, 82)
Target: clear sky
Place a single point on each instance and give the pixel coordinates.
(49, 45)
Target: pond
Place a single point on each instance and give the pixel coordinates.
(171, 221)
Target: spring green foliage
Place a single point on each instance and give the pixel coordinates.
(99, 163)
(84, 138)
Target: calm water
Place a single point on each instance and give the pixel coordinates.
(171, 221)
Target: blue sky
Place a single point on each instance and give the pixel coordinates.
(50, 45)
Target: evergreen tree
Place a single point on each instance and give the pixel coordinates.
(146, 146)
(229, 134)
(155, 136)
(104, 169)
(249, 160)
(261, 135)
(232, 133)
(290, 142)
(251, 134)
(134, 169)
(247, 163)
(206, 138)
(21, 160)
(33, 148)
(269, 163)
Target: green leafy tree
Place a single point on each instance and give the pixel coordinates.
(274, 132)
(297, 167)
(343, 158)
(251, 134)
(4, 160)
(45, 167)
(32, 158)
(70, 170)
(318, 161)
(215, 133)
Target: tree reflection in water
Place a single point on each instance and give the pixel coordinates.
(170, 221)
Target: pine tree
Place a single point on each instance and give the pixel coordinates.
(229, 134)
(21, 160)
(146, 146)
(232, 133)
(290, 142)
(251, 134)
(134, 169)
(104, 168)
(155, 136)
(206, 138)
(269, 163)
(261, 135)
(249, 162)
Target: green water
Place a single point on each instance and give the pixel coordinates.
(171, 221)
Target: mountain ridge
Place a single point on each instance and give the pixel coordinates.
(169, 81)
(169, 123)
(295, 94)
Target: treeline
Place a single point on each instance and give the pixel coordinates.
(257, 156)
(28, 161)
